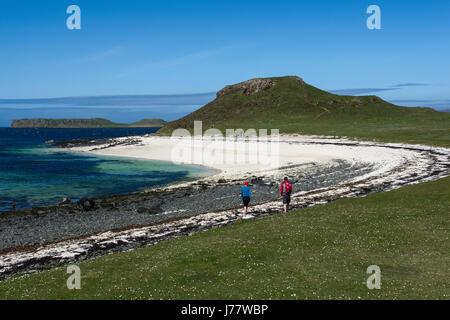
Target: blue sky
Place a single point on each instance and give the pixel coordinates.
(178, 47)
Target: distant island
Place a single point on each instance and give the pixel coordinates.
(84, 123)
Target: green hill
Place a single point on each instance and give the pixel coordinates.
(83, 123)
(148, 123)
(293, 106)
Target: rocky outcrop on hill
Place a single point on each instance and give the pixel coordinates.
(224, 91)
(248, 87)
(252, 86)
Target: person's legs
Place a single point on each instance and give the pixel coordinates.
(246, 201)
(288, 202)
(285, 202)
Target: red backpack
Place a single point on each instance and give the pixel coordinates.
(286, 187)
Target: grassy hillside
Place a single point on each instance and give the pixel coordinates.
(148, 123)
(293, 106)
(82, 123)
(316, 253)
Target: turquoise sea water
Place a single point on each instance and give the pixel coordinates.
(32, 173)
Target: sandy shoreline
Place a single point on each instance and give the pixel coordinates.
(322, 170)
(290, 151)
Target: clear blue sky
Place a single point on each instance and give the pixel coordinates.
(173, 47)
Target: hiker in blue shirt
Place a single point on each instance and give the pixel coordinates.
(246, 196)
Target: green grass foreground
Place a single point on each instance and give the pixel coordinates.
(316, 253)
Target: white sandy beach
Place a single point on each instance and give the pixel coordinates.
(240, 159)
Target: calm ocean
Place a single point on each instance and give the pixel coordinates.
(32, 173)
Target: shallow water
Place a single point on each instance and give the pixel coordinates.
(32, 173)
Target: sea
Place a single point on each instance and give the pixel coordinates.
(34, 173)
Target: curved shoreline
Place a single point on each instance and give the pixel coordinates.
(213, 170)
(416, 164)
(41, 225)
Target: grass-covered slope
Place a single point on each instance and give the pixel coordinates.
(293, 106)
(317, 253)
(148, 123)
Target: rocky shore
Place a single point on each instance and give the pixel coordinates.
(37, 226)
(37, 238)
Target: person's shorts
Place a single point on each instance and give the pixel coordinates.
(286, 198)
(246, 201)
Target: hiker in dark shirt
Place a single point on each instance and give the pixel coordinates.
(286, 190)
(246, 196)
